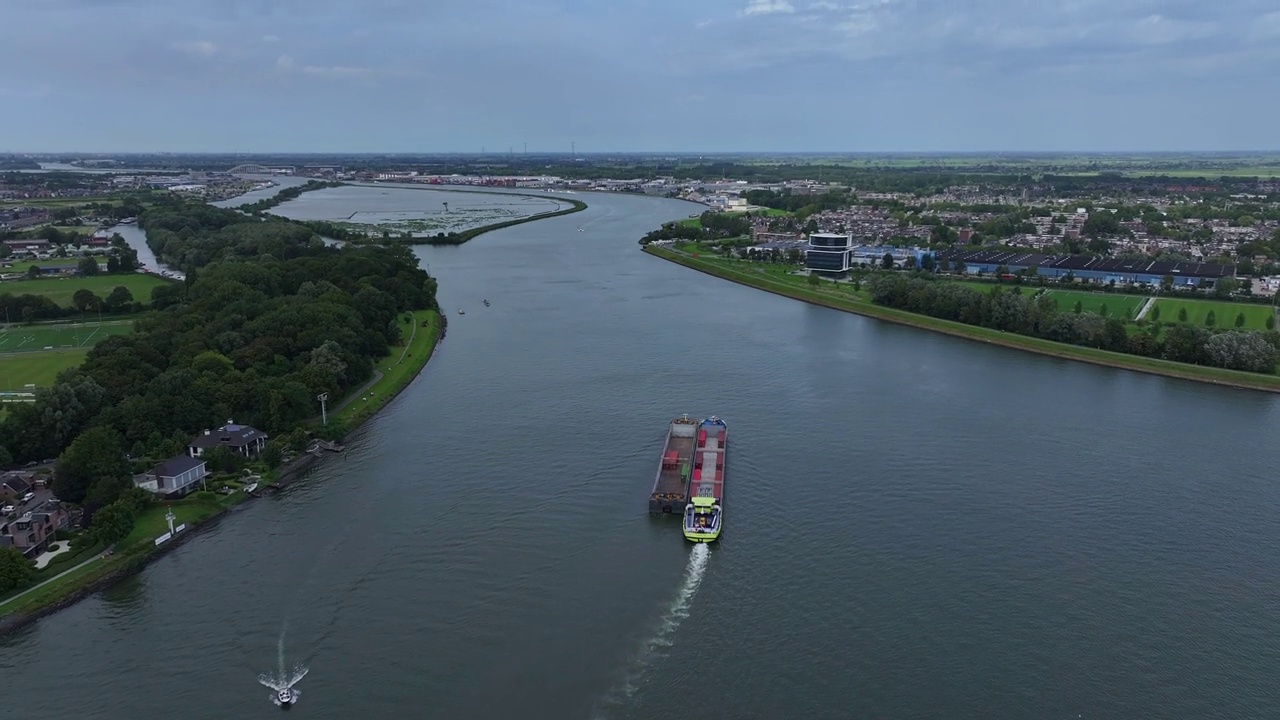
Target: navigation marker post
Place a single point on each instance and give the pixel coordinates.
(169, 517)
(324, 416)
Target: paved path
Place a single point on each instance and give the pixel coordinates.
(1145, 307)
(33, 588)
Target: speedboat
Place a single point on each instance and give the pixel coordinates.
(461, 311)
(285, 698)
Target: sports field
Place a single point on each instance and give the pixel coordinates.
(60, 290)
(59, 336)
(1122, 307)
(1255, 316)
(17, 370)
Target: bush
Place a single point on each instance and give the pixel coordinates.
(65, 535)
(205, 496)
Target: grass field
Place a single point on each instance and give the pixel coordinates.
(60, 336)
(151, 524)
(1124, 307)
(1255, 316)
(60, 290)
(17, 370)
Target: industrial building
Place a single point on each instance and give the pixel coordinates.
(1088, 268)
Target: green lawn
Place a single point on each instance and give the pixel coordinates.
(1255, 316)
(36, 368)
(152, 523)
(60, 290)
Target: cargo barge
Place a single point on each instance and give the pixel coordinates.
(671, 486)
(704, 513)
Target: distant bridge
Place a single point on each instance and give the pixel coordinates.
(255, 169)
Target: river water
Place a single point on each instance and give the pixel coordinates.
(918, 526)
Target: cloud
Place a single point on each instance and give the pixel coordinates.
(768, 7)
(284, 62)
(270, 38)
(199, 48)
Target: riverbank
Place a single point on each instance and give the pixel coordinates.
(1152, 366)
(421, 333)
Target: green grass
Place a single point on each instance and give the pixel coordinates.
(857, 303)
(1124, 307)
(55, 589)
(152, 524)
(60, 336)
(1255, 316)
(60, 290)
(24, 265)
(396, 374)
(18, 370)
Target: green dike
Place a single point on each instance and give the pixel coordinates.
(1154, 366)
(398, 369)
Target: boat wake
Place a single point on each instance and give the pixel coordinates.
(282, 681)
(653, 649)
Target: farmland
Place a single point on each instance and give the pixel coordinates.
(60, 290)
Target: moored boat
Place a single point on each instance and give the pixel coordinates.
(704, 511)
(671, 485)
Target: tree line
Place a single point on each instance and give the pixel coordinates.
(268, 318)
(1038, 315)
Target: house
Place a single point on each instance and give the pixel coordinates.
(32, 533)
(242, 439)
(14, 485)
(176, 476)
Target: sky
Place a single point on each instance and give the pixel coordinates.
(639, 75)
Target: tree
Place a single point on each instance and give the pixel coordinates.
(6, 459)
(1155, 314)
(1211, 319)
(1079, 308)
(1239, 319)
(120, 299)
(814, 279)
(1271, 322)
(15, 570)
(927, 262)
(221, 459)
(88, 266)
(114, 521)
(94, 458)
(85, 300)
(1182, 314)
(886, 262)
(1103, 311)
(1166, 283)
(33, 272)
(272, 455)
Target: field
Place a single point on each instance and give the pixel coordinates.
(18, 370)
(1124, 307)
(1255, 316)
(60, 290)
(24, 338)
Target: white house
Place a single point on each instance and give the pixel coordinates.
(178, 476)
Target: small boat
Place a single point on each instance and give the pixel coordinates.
(285, 698)
(486, 303)
(461, 311)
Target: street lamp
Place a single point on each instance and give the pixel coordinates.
(324, 417)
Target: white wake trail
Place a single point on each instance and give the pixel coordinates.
(651, 650)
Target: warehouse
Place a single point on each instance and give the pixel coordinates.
(1087, 268)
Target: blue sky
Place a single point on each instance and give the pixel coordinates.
(639, 75)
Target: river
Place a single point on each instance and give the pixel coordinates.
(918, 526)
